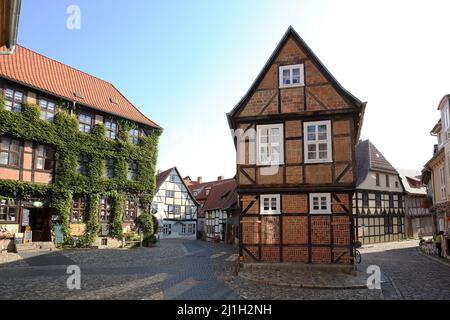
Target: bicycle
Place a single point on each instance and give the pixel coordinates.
(356, 254)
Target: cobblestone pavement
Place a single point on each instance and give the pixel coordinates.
(177, 269)
(174, 269)
(412, 275)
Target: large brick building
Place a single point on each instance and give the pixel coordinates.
(74, 152)
(296, 131)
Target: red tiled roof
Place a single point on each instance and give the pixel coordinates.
(200, 190)
(35, 70)
(222, 196)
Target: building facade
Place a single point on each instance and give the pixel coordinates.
(76, 156)
(379, 200)
(175, 207)
(221, 213)
(419, 220)
(295, 132)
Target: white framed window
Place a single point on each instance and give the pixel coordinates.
(270, 204)
(270, 144)
(320, 203)
(292, 76)
(317, 141)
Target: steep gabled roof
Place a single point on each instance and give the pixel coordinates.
(412, 181)
(162, 176)
(291, 32)
(369, 158)
(201, 190)
(222, 196)
(42, 73)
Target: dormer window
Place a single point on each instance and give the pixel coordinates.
(292, 76)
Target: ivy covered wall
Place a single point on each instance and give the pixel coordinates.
(69, 143)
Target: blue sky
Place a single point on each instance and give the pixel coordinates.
(186, 63)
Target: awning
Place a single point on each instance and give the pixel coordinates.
(9, 23)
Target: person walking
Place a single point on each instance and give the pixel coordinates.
(438, 241)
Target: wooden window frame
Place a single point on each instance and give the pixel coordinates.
(291, 69)
(111, 127)
(13, 101)
(5, 210)
(377, 179)
(109, 165)
(10, 152)
(105, 215)
(170, 194)
(83, 161)
(270, 144)
(317, 142)
(133, 169)
(133, 138)
(45, 157)
(82, 125)
(44, 109)
(270, 197)
(130, 211)
(388, 182)
(78, 206)
(320, 197)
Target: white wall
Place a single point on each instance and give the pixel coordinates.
(370, 182)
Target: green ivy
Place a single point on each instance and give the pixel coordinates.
(69, 143)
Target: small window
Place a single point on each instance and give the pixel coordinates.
(105, 210)
(167, 229)
(391, 201)
(134, 136)
(47, 109)
(85, 122)
(132, 170)
(270, 144)
(173, 178)
(78, 213)
(320, 203)
(396, 184)
(317, 141)
(177, 209)
(377, 179)
(13, 100)
(7, 211)
(109, 168)
(111, 129)
(365, 199)
(388, 225)
(388, 184)
(170, 194)
(44, 158)
(9, 152)
(130, 213)
(270, 204)
(291, 76)
(170, 208)
(378, 200)
(83, 161)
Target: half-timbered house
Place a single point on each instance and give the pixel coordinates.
(379, 202)
(295, 131)
(174, 206)
(418, 217)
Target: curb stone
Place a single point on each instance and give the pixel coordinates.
(304, 286)
(435, 259)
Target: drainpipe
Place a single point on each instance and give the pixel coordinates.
(14, 12)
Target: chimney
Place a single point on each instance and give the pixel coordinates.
(159, 171)
(220, 178)
(199, 179)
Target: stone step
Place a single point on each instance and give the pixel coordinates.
(35, 247)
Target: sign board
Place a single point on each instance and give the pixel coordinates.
(28, 237)
(77, 229)
(25, 217)
(59, 233)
